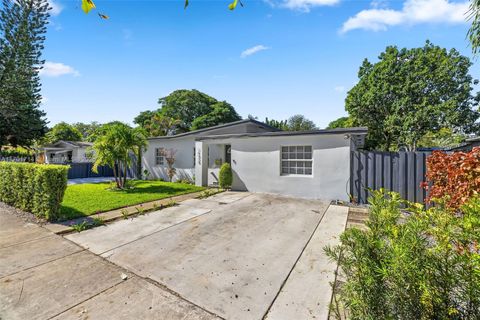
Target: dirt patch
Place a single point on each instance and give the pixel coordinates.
(23, 215)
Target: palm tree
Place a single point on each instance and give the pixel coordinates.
(474, 31)
(113, 146)
(160, 125)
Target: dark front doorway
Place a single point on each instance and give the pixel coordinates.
(228, 154)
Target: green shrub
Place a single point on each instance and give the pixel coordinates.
(225, 176)
(410, 263)
(36, 188)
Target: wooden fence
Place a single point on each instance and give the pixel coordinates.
(401, 172)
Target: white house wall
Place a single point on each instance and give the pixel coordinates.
(256, 166)
(184, 158)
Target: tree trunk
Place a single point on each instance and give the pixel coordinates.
(115, 174)
(139, 164)
(125, 171)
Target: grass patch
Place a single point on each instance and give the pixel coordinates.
(90, 198)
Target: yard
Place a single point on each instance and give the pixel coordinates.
(86, 199)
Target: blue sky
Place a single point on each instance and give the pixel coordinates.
(270, 59)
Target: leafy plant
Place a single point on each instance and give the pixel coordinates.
(171, 203)
(454, 177)
(124, 213)
(410, 264)
(169, 155)
(225, 176)
(79, 227)
(33, 187)
(207, 193)
(140, 210)
(113, 145)
(97, 221)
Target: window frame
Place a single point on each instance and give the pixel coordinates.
(159, 157)
(302, 159)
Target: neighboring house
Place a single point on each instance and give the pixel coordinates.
(309, 164)
(468, 145)
(66, 152)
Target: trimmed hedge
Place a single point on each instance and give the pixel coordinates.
(225, 176)
(36, 188)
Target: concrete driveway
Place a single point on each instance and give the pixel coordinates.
(234, 255)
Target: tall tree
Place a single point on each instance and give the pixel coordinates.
(143, 117)
(221, 112)
(282, 124)
(342, 122)
(22, 28)
(410, 92)
(187, 105)
(160, 125)
(63, 131)
(299, 122)
(87, 129)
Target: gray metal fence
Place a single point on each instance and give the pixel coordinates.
(84, 170)
(401, 172)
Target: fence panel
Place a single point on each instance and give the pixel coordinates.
(401, 172)
(84, 170)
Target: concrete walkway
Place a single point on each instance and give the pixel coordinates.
(44, 276)
(232, 256)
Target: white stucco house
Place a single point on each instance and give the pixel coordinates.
(66, 152)
(310, 164)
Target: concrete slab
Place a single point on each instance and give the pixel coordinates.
(16, 258)
(201, 203)
(136, 299)
(121, 232)
(14, 231)
(231, 261)
(229, 196)
(47, 290)
(307, 292)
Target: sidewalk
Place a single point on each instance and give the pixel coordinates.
(44, 276)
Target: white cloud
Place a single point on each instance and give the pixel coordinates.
(413, 12)
(253, 50)
(56, 7)
(57, 69)
(339, 89)
(306, 5)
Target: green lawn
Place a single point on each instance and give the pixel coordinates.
(86, 199)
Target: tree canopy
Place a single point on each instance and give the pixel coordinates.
(282, 124)
(342, 122)
(410, 92)
(87, 129)
(22, 28)
(63, 131)
(299, 122)
(190, 110)
(160, 125)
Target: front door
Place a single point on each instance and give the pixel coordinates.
(228, 154)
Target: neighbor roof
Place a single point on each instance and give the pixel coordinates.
(72, 143)
(355, 130)
(220, 126)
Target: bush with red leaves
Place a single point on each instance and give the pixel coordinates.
(454, 177)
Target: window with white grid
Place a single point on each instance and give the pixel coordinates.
(296, 160)
(159, 159)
